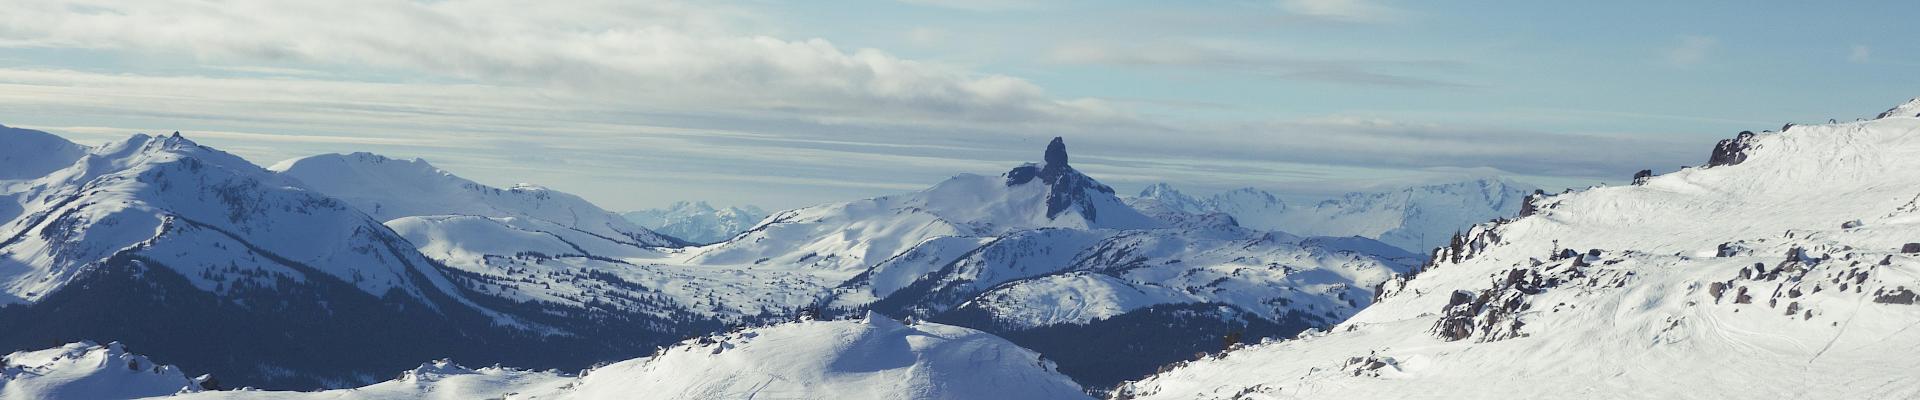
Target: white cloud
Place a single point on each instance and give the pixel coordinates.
(660, 53)
(1860, 54)
(1342, 10)
(1261, 62)
(1693, 50)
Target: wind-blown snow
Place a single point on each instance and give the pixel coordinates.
(1782, 276)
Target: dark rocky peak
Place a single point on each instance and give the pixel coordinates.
(1731, 151)
(1056, 152)
(1068, 189)
(1910, 109)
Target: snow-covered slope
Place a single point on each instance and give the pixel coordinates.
(1416, 218)
(86, 370)
(150, 235)
(1785, 270)
(697, 222)
(870, 358)
(389, 189)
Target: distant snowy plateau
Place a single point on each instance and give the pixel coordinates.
(1787, 267)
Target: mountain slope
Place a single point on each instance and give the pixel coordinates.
(1784, 269)
(869, 358)
(192, 252)
(697, 222)
(389, 189)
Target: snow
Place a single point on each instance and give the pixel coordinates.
(212, 216)
(1735, 281)
(869, 358)
(86, 370)
(389, 189)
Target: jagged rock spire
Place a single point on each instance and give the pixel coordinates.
(1056, 152)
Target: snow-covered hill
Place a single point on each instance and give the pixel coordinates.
(189, 251)
(1787, 268)
(697, 222)
(1416, 218)
(869, 358)
(390, 189)
(86, 370)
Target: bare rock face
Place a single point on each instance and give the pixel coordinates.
(1640, 178)
(1910, 248)
(1056, 152)
(1731, 151)
(1069, 188)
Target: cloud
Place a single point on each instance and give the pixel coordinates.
(1860, 54)
(1342, 10)
(1261, 61)
(1692, 50)
(664, 54)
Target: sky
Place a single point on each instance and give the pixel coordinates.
(786, 104)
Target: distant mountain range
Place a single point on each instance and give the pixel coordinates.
(698, 222)
(1417, 218)
(283, 274)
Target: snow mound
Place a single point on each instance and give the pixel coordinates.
(86, 370)
(871, 358)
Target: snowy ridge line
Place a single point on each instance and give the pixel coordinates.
(1764, 274)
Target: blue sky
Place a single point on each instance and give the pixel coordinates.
(636, 104)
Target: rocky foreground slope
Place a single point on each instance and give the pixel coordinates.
(1785, 268)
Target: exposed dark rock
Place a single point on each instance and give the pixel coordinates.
(1716, 290)
(1910, 248)
(1069, 188)
(1900, 295)
(1731, 151)
(1527, 207)
(1640, 178)
(1056, 152)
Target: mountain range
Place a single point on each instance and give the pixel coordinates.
(1416, 218)
(698, 222)
(1784, 266)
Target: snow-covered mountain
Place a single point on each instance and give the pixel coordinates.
(869, 358)
(189, 236)
(1035, 253)
(192, 252)
(697, 222)
(1416, 218)
(1786, 268)
(390, 189)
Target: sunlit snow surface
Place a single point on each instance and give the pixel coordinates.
(1657, 312)
(869, 358)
